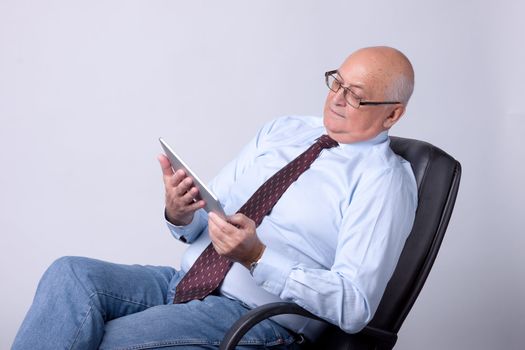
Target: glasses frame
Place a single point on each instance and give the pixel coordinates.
(346, 90)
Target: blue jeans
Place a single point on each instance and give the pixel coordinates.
(85, 303)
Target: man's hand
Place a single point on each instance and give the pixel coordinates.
(235, 238)
(180, 194)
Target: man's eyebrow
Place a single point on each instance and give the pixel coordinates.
(357, 86)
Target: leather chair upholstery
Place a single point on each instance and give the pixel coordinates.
(437, 176)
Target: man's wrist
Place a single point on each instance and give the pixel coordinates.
(176, 222)
(252, 262)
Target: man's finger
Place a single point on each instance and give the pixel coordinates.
(190, 196)
(239, 220)
(222, 224)
(183, 186)
(197, 205)
(177, 178)
(165, 165)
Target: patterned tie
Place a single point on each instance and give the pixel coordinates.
(210, 268)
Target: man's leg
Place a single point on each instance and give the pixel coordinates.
(76, 296)
(193, 325)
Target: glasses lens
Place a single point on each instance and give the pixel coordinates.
(332, 83)
(352, 99)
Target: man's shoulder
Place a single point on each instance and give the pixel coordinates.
(381, 161)
(384, 165)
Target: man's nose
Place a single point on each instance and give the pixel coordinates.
(339, 97)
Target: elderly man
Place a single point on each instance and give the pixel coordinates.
(319, 210)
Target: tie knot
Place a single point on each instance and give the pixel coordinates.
(326, 141)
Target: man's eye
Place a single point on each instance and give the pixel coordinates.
(354, 95)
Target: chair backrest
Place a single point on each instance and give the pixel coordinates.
(437, 175)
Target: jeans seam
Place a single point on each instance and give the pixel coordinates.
(279, 338)
(188, 341)
(108, 294)
(119, 297)
(81, 325)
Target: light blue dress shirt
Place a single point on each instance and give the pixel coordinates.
(335, 236)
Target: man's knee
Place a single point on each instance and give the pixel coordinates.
(68, 264)
(70, 269)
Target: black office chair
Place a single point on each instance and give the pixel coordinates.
(437, 175)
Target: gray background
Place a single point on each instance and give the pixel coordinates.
(86, 88)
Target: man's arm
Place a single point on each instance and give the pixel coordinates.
(372, 235)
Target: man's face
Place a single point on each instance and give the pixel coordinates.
(368, 81)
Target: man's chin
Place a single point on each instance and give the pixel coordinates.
(333, 120)
(332, 127)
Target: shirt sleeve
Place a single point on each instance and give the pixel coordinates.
(190, 232)
(372, 234)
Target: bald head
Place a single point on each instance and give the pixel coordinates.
(378, 82)
(389, 68)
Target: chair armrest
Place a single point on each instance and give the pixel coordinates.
(254, 316)
(382, 339)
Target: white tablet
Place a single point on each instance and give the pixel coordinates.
(212, 202)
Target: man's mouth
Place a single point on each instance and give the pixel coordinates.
(337, 114)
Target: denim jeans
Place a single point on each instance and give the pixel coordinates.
(84, 303)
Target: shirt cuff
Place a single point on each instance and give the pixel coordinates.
(272, 271)
(187, 233)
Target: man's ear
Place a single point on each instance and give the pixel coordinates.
(394, 116)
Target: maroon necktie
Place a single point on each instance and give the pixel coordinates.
(210, 268)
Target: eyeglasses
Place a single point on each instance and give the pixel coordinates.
(335, 84)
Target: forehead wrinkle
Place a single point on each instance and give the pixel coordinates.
(358, 85)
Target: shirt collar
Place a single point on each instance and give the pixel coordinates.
(378, 139)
